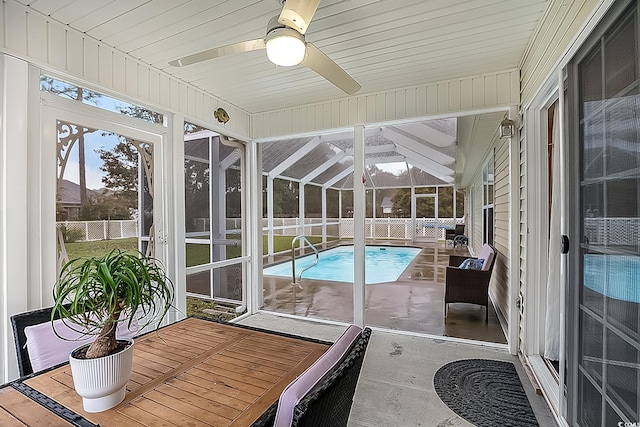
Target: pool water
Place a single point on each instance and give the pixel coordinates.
(616, 276)
(382, 264)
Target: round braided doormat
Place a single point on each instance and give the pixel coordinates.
(487, 393)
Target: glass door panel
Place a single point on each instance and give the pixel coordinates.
(104, 194)
(606, 282)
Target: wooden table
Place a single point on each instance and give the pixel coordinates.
(191, 373)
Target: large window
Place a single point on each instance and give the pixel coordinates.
(487, 203)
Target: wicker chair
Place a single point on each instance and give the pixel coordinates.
(450, 235)
(470, 286)
(18, 323)
(329, 402)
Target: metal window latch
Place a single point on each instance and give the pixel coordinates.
(564, 248)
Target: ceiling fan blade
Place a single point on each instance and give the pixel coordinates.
(217, 52)
(297, 14)
(323, 65)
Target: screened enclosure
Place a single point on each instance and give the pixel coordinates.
(409, 175)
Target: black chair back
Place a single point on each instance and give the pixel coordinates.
(329, 402)
(18, 323)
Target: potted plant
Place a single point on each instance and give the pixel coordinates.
(95, 295)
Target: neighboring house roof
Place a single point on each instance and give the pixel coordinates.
(69, 193)
(386, 202)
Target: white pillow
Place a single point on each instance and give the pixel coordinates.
(46, 349)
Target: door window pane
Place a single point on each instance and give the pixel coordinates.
(104, 195)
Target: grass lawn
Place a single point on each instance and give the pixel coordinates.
(195, 307)
(196, 254)
(100, 247)
(283, 243)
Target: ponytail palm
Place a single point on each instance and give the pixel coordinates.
(95, 294)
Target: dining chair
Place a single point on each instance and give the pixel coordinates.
(323, 394)
(329, 402)
(18, 323)
(38, 347)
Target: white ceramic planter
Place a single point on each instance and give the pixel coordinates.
(102, 382)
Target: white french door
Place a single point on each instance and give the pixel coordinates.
(98, 166)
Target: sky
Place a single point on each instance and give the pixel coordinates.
(93, 141)
(395, 168)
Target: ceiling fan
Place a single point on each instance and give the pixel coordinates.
(286, 46)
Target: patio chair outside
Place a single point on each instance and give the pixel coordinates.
(450, 235)
(467, 285)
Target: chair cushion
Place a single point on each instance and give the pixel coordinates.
(46, 349)
(299, 387)
(472, 264)
(487, 254)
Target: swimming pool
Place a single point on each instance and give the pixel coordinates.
(382, 264)
(616, 276)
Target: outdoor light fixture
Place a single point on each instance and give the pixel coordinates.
(285, 47)
(507, 127)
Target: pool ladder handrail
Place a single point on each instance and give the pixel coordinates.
(293, 259)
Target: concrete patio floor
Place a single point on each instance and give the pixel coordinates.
(413, 303)
(395, 388)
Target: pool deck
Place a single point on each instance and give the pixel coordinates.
(413, 303)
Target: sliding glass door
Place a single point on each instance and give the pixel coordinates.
(604, 325)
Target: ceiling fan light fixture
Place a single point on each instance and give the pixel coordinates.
(285, 47)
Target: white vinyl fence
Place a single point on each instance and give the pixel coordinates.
(612, 231)
(87, 231)
(378, 228)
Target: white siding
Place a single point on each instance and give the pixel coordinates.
(500, 278)
(435, 99)
(477, 213)
(58, 48)
(557, 29)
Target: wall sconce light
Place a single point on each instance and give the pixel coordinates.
(507, 127)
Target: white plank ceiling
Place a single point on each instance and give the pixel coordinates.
(383, 44)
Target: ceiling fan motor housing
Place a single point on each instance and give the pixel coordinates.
(285, 46)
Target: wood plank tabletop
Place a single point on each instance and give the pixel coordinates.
(195, 373)
(18, 410)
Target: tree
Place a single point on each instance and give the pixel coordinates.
(233, 192)
(196, 179)
(121, 168)
(402, 203)
(105, 207)
(285, 198)
(141, 113)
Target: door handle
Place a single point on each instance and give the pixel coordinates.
(564, 247)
